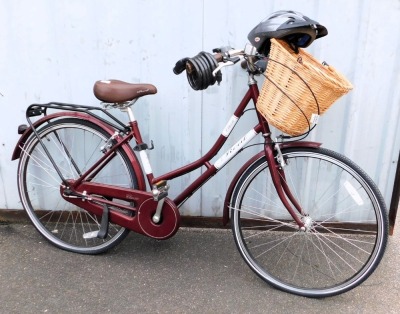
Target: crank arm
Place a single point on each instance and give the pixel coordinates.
(157, 216)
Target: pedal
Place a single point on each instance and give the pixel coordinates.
(102, 233)
(160, 190)
(91, 235)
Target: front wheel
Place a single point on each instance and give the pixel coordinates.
(343, 212)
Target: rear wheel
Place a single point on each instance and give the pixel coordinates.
(344, 216)
(75, 145)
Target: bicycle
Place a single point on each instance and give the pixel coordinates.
(305, 219)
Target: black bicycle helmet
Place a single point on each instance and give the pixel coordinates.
(298, 30)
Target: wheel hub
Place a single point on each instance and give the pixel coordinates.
(308, 223)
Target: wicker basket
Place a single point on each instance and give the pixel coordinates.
(286, 100)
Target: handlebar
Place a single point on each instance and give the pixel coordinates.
(180, 65)
(204, 69)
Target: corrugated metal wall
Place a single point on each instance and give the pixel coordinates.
(55, 50)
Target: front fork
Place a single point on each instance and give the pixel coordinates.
(276, 164)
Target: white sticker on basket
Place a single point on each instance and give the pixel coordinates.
(353, 193)
(314, 118)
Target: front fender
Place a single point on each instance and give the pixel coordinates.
(252, 160)
(69, 114)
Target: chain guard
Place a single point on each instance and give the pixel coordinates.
(90, 195)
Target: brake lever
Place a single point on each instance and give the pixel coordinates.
(227, 62)
(220, 66)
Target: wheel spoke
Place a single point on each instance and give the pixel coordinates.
(74, 145)
(342, 217)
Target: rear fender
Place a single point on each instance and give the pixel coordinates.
(252, 160)
(46, 119)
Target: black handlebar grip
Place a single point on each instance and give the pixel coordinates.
(180, 66)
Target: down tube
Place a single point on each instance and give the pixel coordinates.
(213, 169)
(205, 159)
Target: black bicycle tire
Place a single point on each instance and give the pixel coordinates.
(351, 282)
(31, 144)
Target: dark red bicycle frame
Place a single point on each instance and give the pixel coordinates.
(81, 185)
(252, 94)
(275, 169)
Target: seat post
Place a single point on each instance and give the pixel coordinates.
(129, 111)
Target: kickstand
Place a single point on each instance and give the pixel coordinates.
(103, 232)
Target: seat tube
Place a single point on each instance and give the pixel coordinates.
(139, 141)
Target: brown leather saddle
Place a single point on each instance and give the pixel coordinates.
(115, 91)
